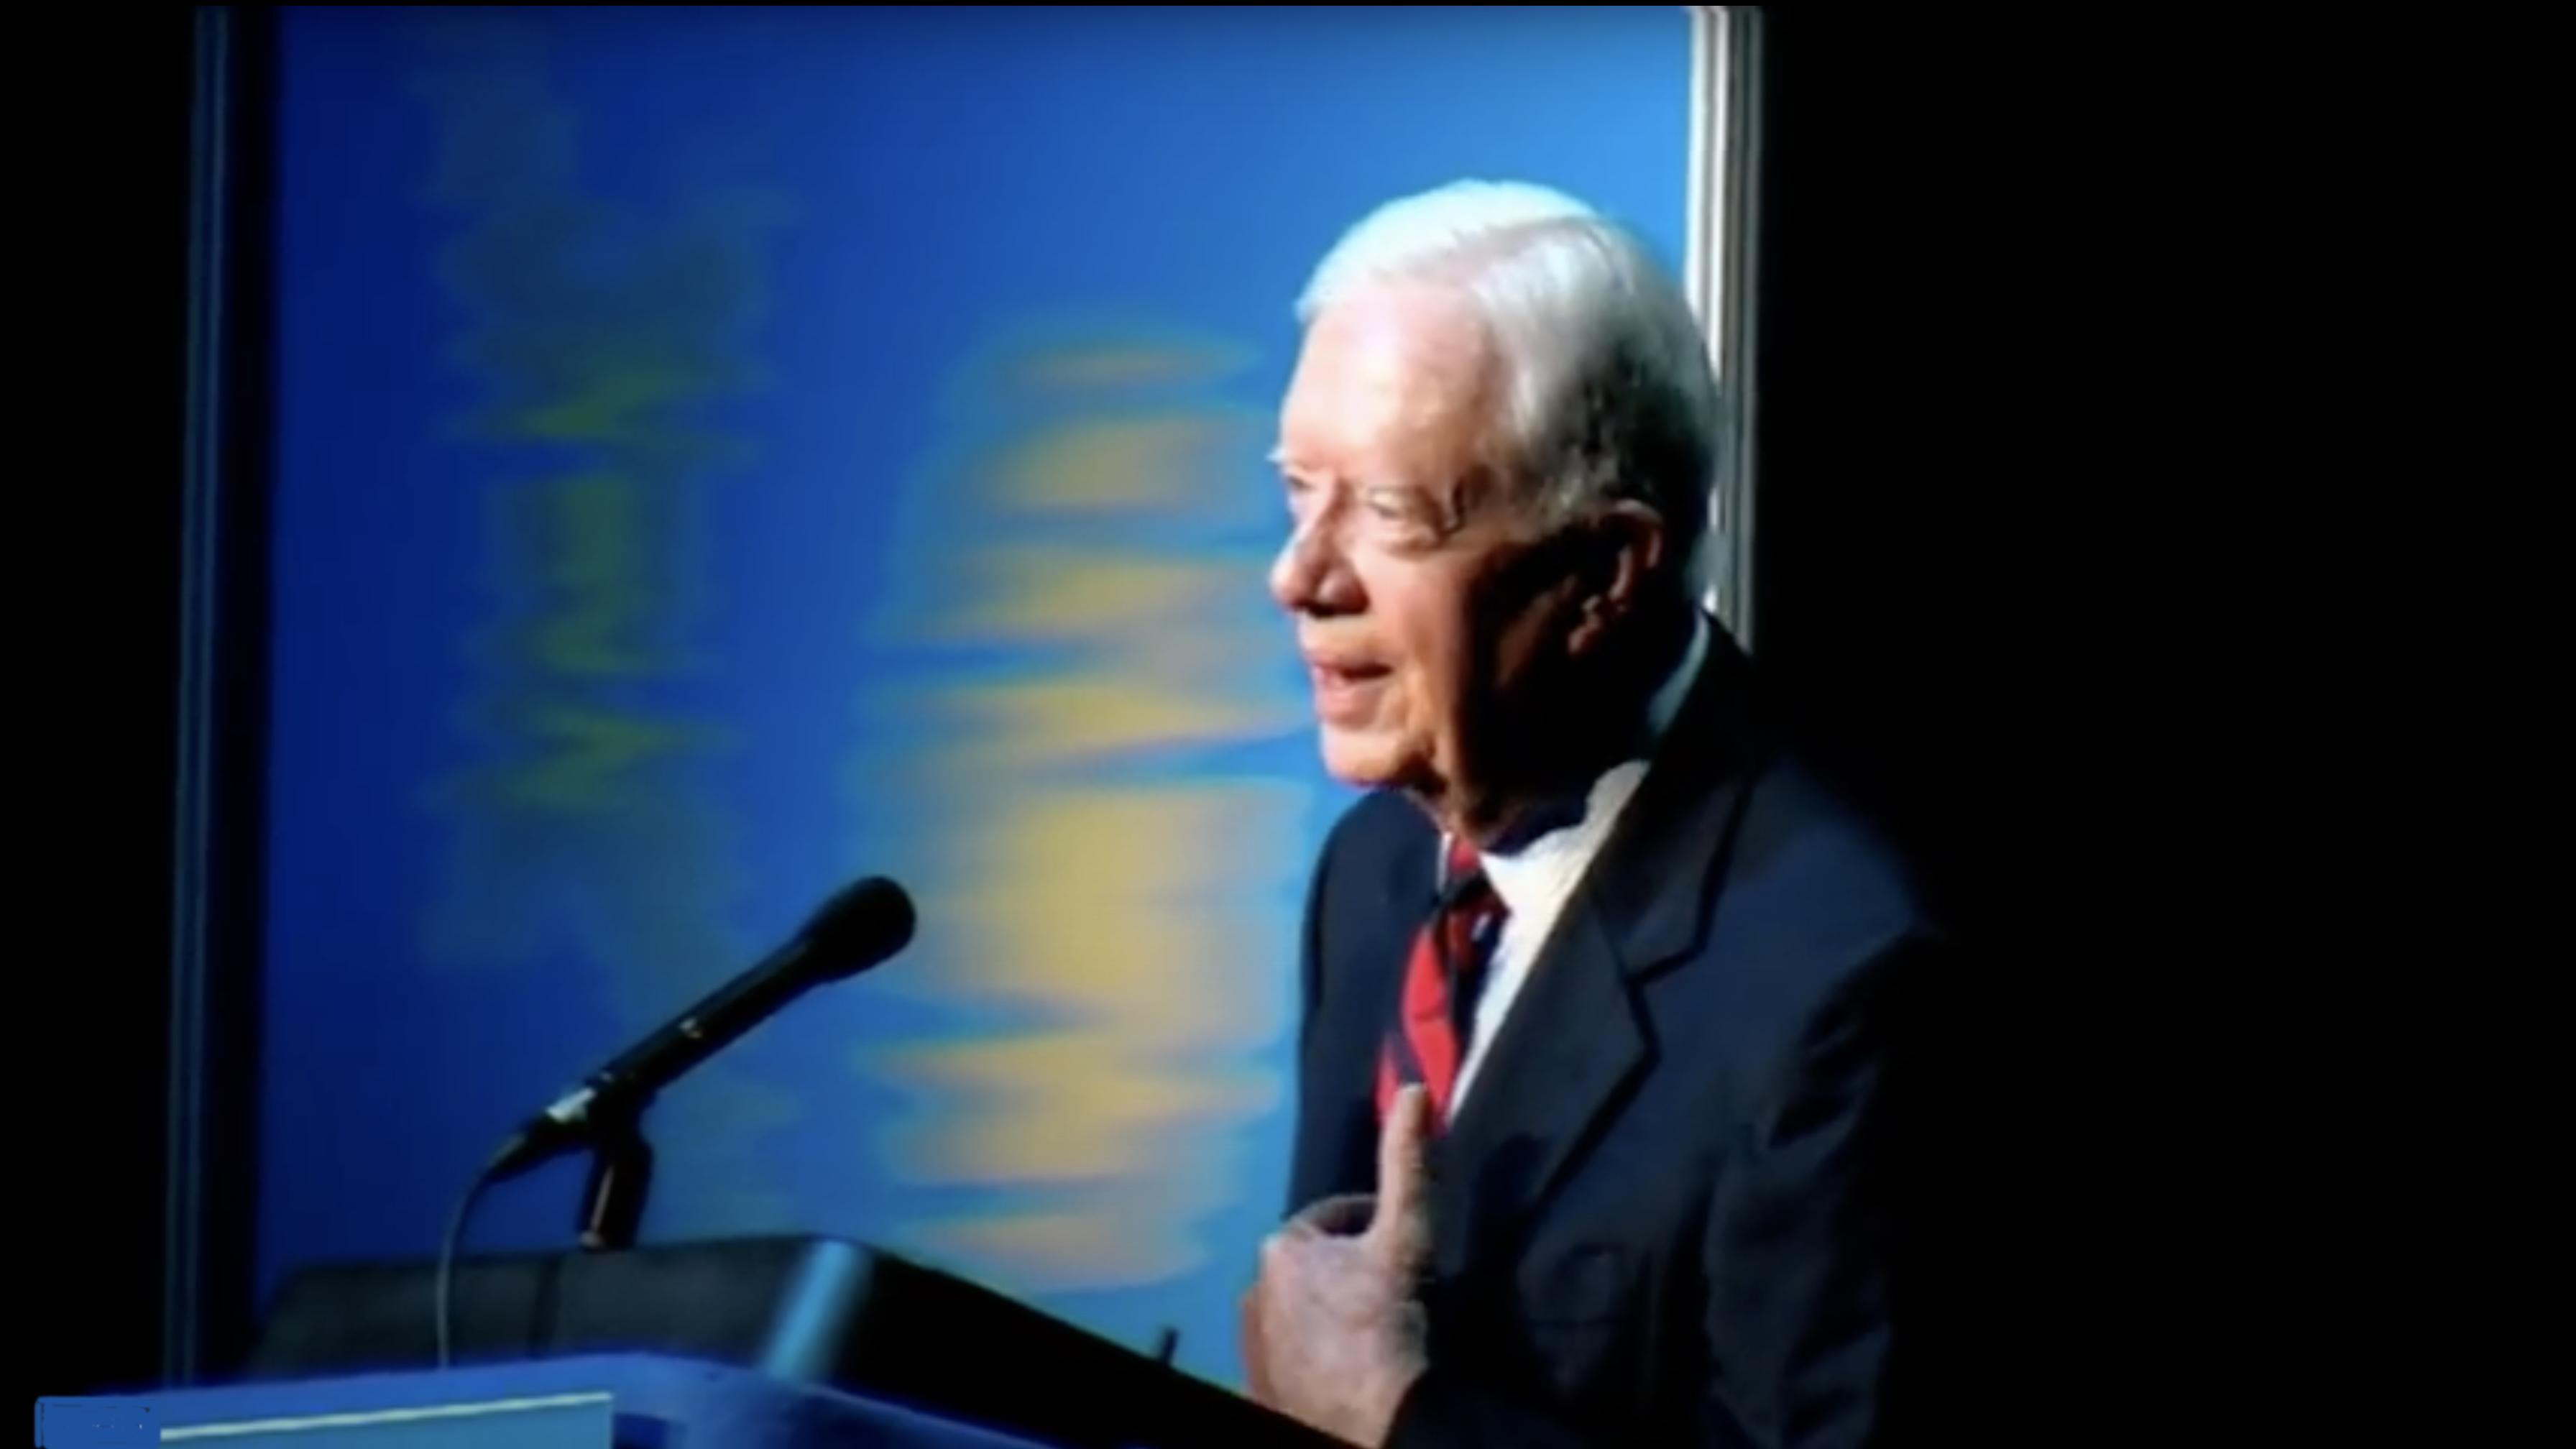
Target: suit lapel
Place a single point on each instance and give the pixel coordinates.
(1565, 1057)
(1574, 1046)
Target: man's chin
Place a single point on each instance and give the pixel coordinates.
(1363, 760)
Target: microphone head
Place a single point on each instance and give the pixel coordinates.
(861, 925)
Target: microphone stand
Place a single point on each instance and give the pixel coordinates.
(621, 1178)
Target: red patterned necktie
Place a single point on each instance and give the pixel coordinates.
(1442, 977)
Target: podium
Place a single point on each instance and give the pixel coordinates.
(611, 1401)
(838, 1322)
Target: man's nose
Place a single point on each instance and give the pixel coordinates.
(1307, 577)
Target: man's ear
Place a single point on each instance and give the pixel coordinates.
(1624, 546)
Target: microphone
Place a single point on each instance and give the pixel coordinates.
(860, 927)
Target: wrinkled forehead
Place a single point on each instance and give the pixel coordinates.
(1398, 382)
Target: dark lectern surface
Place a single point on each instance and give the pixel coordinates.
(804, 1309)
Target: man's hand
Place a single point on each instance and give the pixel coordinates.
(1332, 1332)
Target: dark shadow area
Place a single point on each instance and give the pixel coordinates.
(1937, 411)
(102, 196)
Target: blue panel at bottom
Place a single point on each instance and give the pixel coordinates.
(94, 1423)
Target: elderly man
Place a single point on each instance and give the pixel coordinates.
(1590, 1128)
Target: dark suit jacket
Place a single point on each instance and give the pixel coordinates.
(1664, 1213)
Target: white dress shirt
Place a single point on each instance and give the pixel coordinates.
(1535, 881)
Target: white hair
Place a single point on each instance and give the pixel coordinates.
(1610, 393)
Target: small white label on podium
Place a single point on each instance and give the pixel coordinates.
(561, 1421)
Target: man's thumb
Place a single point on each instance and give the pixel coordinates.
(1402, 1224)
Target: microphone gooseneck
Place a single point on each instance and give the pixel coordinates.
(862, 926)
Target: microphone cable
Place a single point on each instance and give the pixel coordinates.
(443, 1308)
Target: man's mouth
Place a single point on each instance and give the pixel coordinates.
(1346, 689)
(1344, 673)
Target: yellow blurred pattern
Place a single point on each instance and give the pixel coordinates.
(597, 558)
(1111, 1114)
(1094, 880)
(1102, 368)
(586, 759)
(1117, 463)
(1118, 899)
(585, 836)
(608, 403)
(1108, 367)
(1088, 717)
(1027, 594)
(1104, 1239)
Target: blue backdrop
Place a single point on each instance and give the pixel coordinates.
(726, 451)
